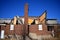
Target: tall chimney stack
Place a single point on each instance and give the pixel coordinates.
(26, 14)
(25, 27)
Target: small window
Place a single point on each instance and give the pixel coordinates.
(11, 27)
(50, 28)
(40, 27)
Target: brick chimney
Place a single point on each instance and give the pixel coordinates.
(26, 14)
(26, 18)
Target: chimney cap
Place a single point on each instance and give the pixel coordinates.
(26, 3)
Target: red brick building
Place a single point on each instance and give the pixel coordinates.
(39, 27)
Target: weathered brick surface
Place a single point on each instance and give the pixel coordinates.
(34, 29)
(8, 31)
(18, 29)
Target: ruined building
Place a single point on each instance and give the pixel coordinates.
(34, 27)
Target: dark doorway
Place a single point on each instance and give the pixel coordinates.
(50, 28)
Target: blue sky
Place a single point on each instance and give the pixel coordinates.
(11, 8)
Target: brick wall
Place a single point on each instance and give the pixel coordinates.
(34, 29)
(7, 29)
(18, 29)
